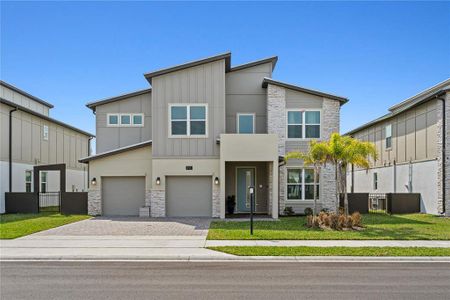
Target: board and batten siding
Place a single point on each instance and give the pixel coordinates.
(110, 138)
(244, 94)
(200, 84)
(414, 136)
(299, 100)
(15, 97)
(29, 146)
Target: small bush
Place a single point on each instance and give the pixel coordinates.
(309, 221)
(356, 219)
(289, 211)
(308, 211)
(342, 221)
(334, 221)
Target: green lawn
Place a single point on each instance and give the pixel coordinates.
(332, 251)
(16, 225)
(378, 227)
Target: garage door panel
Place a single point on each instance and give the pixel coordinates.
(123, 196)
(189, 196)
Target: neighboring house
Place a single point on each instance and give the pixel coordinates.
(206, 131)
(37, 139)
(413, 143)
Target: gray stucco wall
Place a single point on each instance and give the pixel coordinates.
(244, 94)
(109, 138)
(200, 84)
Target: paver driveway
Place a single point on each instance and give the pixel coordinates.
(132, 226)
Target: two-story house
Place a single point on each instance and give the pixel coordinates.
(30, 137)
(204, 131)
(413, 143)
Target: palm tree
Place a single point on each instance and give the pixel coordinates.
(316, 157)
(344, 151)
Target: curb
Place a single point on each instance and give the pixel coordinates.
(300, 259)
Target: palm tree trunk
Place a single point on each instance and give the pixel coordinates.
(315, 192)
(344, 171)
(337, 179)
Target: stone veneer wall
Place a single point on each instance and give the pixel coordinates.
(276, 123)
(441, 131)
(330, 124)
(94, 203)
(158, 203)
(216, 201)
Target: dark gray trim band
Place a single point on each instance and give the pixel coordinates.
(226, 56)
(16, 89)
(266, 82)
(32, 112)
(115, 151)
(96, 103)
(272, 60)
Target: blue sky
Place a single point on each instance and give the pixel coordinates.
(376, 54)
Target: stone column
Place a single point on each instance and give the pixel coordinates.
(94, 203)
(158, 203)
(216, 199)
(443, 159)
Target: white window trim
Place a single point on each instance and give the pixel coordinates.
(386, 137)
(45, 132)
(31, 180)
(43, 182)
(137, 125)
(303, 111)
(188, 121)
(113, 125)
(303, 200)
(119, 120)
(245, 114)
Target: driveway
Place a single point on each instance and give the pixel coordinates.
(132, 226)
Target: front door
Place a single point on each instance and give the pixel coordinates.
(245, 177)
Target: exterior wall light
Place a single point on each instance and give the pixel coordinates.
(216, 180)
(158, 180)
(94, 181)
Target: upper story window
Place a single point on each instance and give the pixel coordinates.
(388, 138)
(45, 132)
(303, 124)
(245, 123)
(188, 120)
(125, 120)
(43, 182)
(375, 181)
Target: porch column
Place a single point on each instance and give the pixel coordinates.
(222, 188)
(275, 189)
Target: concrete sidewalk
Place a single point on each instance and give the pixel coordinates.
(185, 248)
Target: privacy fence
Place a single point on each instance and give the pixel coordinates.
(392, 203)
(64, 202)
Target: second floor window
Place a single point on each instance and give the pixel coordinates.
(303, 124)
(245, 123)
(388, 139)
(125, 120)
(188, 120)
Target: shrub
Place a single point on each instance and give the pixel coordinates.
(308, 211)
(342, 221)
(334, 221)
(356, 219)
(288, 211)
(310, 221)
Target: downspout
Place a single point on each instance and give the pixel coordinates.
(443, 153)
(10, 148)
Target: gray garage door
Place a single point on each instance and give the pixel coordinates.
(188, 196)
(122, 196)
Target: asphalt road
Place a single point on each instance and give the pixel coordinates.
(228, 280)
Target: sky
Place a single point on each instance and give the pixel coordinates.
(374, 53)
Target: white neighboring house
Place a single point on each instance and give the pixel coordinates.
(37, 139)
(413, 143)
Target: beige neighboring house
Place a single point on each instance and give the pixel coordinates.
(413, 143)
(206, 131)
(37, 139)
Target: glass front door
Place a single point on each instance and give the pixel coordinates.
(245, 177)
